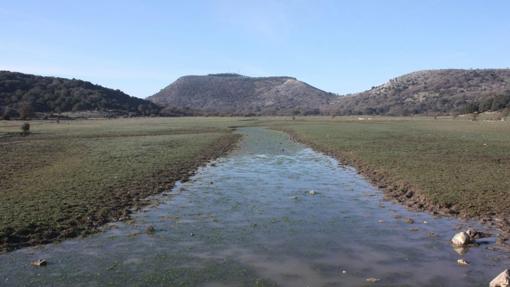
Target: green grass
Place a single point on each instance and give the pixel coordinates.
(67, 179)
(456, 163)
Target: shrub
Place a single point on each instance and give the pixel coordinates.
(25, 110)
(25, 129)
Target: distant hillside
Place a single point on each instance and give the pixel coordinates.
(432, 92)
(233, 94)
(24, 94)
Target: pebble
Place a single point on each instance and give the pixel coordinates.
(409, 221)
(150, 229)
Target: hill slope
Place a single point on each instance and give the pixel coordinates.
(233, 94)
(432, 92)
(24, 94)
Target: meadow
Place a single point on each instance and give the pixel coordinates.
(67, 179)
(443, 165)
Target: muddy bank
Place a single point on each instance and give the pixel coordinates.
(117, 204)
(411, 196)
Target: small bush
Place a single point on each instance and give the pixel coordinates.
(25, 129)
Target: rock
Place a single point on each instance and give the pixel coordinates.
(409, 220)
(461, 250)
(372, 280)
(312, 192)
(344, 272)
(150, 229)
(501, 240)
(461, 239)
(471, 233)
(502, 280)
(462, 262)
(39, 262)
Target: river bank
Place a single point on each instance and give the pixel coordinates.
(68, 179)
(454, 168)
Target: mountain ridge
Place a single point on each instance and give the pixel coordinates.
(432, 92)
(234, 94)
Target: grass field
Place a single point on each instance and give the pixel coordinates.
(456, 165)
(67, 179)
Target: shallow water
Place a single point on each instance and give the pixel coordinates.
(249, 219)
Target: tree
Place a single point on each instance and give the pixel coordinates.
(486, 105)
(6, 114)
(25, 129)
(25, 110)
(500, 102)
(142, 109)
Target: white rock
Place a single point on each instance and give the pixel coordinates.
(461, 239)
(462, 262)
(312, 192)
(502, 280)
(39, 262)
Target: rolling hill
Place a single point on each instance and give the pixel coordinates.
(23, 95)
(233, 94)
(432, 92)
(428, 92)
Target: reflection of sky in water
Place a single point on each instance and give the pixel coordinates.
(250, 217)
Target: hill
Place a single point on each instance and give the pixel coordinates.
(432, 92)
(233, 94)
(22, 95)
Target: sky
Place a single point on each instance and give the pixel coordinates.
(339, 46)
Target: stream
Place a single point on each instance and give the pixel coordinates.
(271, 213)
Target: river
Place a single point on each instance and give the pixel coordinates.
(272, 212)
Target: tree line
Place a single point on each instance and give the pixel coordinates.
(22, 95)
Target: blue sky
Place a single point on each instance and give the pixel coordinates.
(339, 46)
